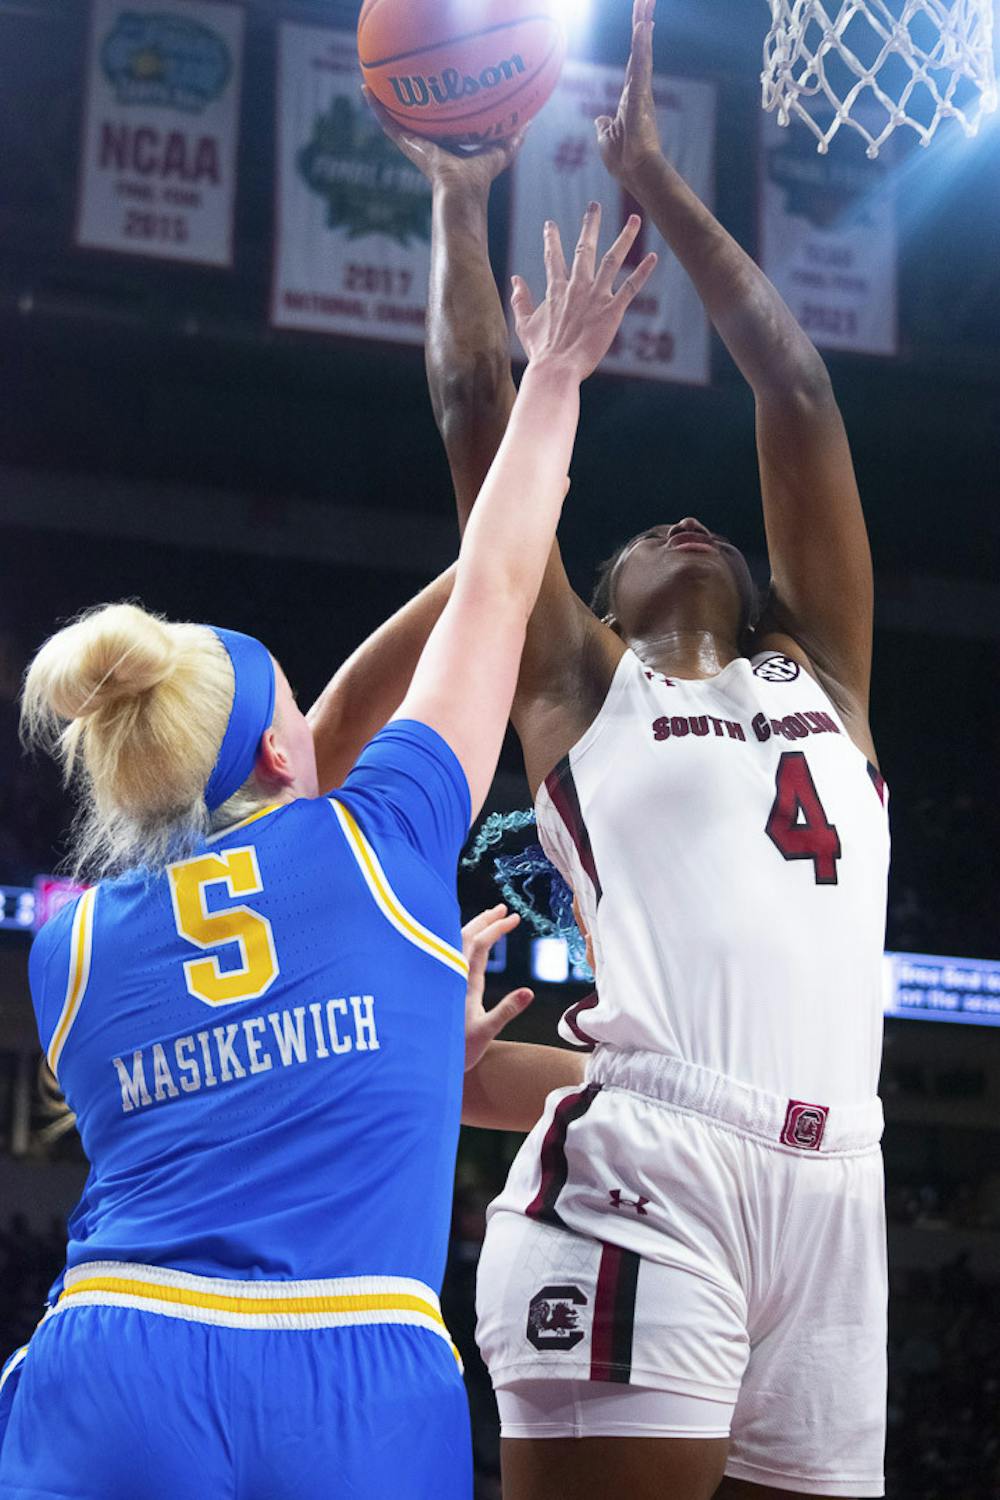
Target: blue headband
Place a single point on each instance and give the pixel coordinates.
(251, 714)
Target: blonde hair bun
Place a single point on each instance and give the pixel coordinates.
(139, 706)
(115, 652)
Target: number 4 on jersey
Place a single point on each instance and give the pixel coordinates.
(798, 825)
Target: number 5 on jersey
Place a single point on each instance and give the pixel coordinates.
(238, 926)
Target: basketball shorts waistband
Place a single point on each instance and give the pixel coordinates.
(800, 1125)
(337, 1302)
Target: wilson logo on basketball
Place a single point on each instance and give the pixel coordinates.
(414, 91)
(804, 1125)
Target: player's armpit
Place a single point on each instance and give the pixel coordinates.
(566, 669)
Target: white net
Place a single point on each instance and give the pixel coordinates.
(875, 65)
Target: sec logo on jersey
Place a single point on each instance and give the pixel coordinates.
(778, 669)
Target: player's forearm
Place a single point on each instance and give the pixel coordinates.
(512, 528)
(767, 344)
(367, 689)
(467, 346)
(508, 1088)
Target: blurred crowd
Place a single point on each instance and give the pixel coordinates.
(944, 1387)
(952, 1205)
(29, 1263)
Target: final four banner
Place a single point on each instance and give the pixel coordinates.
(158, 175)
(665, 335)
(828, 236)
(352, 237)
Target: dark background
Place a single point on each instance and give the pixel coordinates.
(158, 441)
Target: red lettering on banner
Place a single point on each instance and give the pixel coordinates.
(152, 154)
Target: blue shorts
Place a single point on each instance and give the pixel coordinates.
(113, 1403)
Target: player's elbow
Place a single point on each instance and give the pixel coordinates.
(808, 382)
(470, 389)
(804, 390)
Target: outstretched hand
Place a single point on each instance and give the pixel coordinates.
(484, 1026)
(630, 139)
(582, 312)
(471, 169)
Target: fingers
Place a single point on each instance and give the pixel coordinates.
(476, 924)
(507, 1010)
(614, 258)
(522, 305)
(634, 283)
(555, 260)
(382, 115)
(641, 61)
(586, 246)
(490, 926)
(512, 146)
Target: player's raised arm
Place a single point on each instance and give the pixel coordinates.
(369, 686)
(817, 542)
(465, 680)
(472, 393)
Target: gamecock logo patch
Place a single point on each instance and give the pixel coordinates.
(554, 1318)
(804, 1125)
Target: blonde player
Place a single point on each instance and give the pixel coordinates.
(682, 1291)
(257, 1014)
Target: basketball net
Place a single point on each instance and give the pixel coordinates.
(879, 65)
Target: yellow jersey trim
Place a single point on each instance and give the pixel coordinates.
(80, 948)
(264, 812)
(282, 1305)
(248, 1306)
(389, 903)
(14, 1363)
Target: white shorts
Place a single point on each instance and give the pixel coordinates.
(641, 1242)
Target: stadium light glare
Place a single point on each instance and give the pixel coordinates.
(576, 16)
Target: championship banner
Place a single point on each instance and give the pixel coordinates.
(353, 216)
(828, 236)
(158, 175)
(665, 335)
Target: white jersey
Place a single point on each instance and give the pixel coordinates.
(729, 847)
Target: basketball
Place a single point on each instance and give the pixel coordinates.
(467, 71)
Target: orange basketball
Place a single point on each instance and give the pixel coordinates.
(469, 71)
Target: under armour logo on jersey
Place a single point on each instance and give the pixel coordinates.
(777, 669)
(639, 1204)
(804, 1125)
(553, 1318)
(658, 677)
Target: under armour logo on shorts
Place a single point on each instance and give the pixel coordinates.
(804, 1125)
(617, 1201)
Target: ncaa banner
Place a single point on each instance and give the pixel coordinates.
(665, 335)
(828, 236)
(353, 216)
(158, 175)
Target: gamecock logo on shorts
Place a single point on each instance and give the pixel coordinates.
(553, 1319)
(777, 669)
(804, 1125)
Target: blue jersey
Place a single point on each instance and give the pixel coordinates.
(263, 1045)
